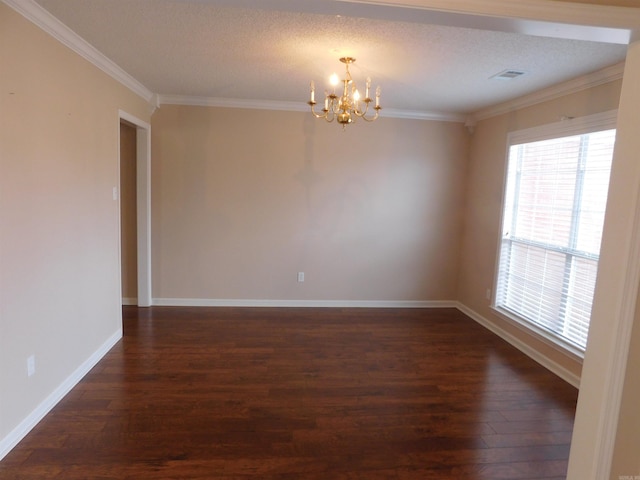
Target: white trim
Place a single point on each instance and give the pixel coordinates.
(143, 207)
(231, 103)
(210, 302)
(298, 107)
(531, 352)
(129, 301)
(550, 338)
(143, 212)
(564, 128)
(617, 368)
(418, 115)
(584, 82)
(24, 427)
(58, 30)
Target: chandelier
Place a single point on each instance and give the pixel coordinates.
(346, 108)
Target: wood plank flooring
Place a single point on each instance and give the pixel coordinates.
(316, 394)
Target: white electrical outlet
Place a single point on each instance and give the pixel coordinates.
(300, 277)
(31, 365)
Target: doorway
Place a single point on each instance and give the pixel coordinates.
(128, 217)
(135, 210)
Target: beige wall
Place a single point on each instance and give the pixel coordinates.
(59, 265)
(128, 214)
(484, 202)
(242, 200)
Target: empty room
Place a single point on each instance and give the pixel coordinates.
(319, 240)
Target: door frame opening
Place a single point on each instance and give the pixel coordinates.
(143, 203)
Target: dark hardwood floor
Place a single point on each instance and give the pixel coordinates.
(331, 394)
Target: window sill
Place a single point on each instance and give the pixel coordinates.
(540, 333)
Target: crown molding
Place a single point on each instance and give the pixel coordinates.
(58, 30)
(600, 77)
(230, 103)
(296, 107)
(420, 115)
(584, 82)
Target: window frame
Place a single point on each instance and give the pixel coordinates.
(564, 128)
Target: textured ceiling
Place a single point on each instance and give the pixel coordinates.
(200, 48)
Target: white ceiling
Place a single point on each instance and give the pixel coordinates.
(269, 50)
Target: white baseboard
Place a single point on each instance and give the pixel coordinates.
(534, 354)
(129, 301)
(208, 302)
(24, 427)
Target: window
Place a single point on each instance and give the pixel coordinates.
(555, 198)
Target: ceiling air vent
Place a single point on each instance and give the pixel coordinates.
(507, 75)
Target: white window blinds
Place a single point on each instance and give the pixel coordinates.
(555, 200)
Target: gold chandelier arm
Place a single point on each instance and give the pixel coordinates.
(371, 119)
(363, 113)
(328, 115)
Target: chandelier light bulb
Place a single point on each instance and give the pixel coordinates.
(346, 107)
